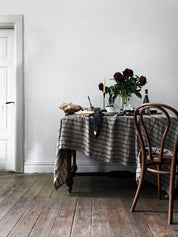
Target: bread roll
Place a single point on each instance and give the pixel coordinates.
(72, 107)
(63, 106)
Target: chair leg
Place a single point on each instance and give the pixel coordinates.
(159, 181)
(143, 171)
(171, 193)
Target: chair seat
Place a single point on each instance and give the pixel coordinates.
(155, 155)
(166, 159)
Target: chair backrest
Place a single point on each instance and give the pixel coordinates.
(157, 133)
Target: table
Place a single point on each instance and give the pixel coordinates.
(117, 142)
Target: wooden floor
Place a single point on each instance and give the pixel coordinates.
(98, 206)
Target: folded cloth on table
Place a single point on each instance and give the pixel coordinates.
(97, 118)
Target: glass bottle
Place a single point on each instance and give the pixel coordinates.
(146, 100)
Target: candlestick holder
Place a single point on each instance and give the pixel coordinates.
(103, 100)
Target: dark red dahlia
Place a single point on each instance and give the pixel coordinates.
(119, 77)
(142, 80)
(128, 72)
(100, 86)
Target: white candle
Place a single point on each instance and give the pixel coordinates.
(104, 86)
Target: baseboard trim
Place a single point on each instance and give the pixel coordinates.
(88, 167)
(112, 174)
(83, 167)
(3, 165)
(39, 167)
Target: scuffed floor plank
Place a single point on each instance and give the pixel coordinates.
(14, 215)
(64, 219)
(98, 206)
(82, 218)
(28, 220)
(100, 218)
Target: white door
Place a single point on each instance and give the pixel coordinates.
(7, 100)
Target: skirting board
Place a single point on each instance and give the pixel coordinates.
(48, 167)
(3, 165)
(38, 167)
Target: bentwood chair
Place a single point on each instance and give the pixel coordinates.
(158, 153)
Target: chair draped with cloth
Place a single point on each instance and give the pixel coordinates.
(155, 154)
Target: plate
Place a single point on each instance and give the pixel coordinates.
(109, 113)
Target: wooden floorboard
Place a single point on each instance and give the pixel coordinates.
(82, 218)
(98, 206)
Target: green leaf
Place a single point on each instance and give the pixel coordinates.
(138, 94)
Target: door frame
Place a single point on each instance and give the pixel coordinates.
(16, 22)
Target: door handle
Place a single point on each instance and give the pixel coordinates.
(10, 102)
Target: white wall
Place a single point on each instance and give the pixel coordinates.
(70, 46)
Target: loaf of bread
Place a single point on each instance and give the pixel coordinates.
(72, 107)
(64, 105)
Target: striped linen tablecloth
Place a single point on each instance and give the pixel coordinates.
(116, 142)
